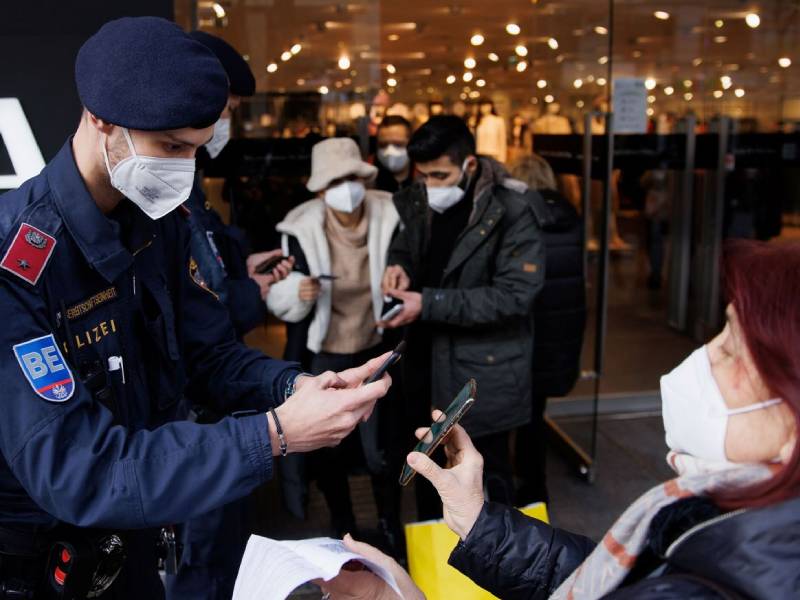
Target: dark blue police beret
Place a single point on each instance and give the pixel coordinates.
(239, 74)
(147, 73)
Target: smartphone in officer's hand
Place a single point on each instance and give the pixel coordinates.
(396, 355)
(269, 265)
(391, 308)
(442, 426)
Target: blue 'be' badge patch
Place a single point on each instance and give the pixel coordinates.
(45, 368)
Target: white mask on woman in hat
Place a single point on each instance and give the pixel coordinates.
(345, 197)
(695, 413)
(156, 185)
(221, 137)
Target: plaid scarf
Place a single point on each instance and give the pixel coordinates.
(611, 561)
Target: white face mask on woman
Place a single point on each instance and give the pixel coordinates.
(695, 414)
(346, 197)
(442, 198)
(156, 185)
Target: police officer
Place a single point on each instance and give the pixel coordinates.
(213, 543)
(106, 321)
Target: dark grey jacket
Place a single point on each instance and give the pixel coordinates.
(743, 554)
(481, 313)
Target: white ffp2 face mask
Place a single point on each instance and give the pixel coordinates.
(156, 185)
(221, 137)
(393, 157)
(695, 414)
(346, 197)
(442, 198)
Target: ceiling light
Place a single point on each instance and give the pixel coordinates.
(589, 78)
(521, 50)
(476, 40)
(391, 69)
(521, 66)
(451, 79)
(687, 83)
(286, 56)
(661, 15)
(600, 30)
(637, 54)
(650, 83)
(534, 100)
(688, 96)
(720, 39)
(323, 89)
(480, 82)
(651, 99)
(474, 94)
(719, 23)
(579, 104)
(739, 92)
(553, 43)
(697, 62)
(218, 9)
(493, 57)
(669, 90)
(296, 49)
(549, 98)
(393, 37)
(467, 77)
(601, 81)
(726, 82)
(650, 111)
(512, 29)
(602, 60)
(718, 94)
(560, 59)
(301, 81)
(541, 84)
(578, 83)
(470, 62)
(391, 82)
(785, 62)
(752, 20)
(272, 67)
(344, 62)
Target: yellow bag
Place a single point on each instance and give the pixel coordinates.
(429, 545)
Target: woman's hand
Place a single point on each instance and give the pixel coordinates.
(365, 585)
(460, 485)
(309, 289)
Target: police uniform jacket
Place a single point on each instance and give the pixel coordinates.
(105, 322)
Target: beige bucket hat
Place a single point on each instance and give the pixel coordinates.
(334, 158)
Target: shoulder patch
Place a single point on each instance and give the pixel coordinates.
(45, 368)
(29, 253)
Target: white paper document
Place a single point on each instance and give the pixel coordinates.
(272, 569)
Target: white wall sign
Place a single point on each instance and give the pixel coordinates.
(630, 106)
(22, 148)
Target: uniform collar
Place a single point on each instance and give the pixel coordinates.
(94, 234)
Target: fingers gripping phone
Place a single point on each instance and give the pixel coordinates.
(396, 355)
(266, 267)
(440, 428)
(391, 308)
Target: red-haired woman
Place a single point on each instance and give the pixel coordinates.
(728, 526)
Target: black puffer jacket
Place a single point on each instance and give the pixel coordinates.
(744, 554)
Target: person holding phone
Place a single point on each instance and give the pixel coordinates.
(332, 302)
(467, 264)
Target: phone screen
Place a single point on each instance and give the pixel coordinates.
(441, 427)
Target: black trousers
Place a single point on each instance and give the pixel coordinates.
(330, 466)
(530, 456)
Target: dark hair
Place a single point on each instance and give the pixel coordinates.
(393, 121)
(442, 135)
(762, 282)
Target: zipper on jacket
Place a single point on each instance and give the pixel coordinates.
(699, 527)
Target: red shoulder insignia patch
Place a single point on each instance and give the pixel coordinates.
(29, 252)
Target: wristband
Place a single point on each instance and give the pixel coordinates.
(284, 447)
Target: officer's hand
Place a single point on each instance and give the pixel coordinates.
(395, 278)
(326, 408)
(309, 289)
